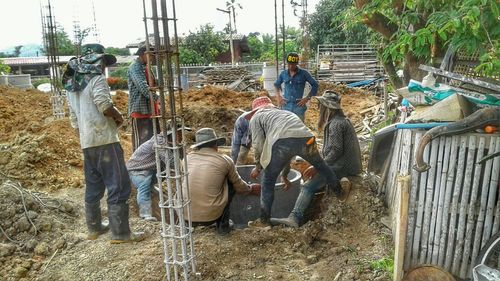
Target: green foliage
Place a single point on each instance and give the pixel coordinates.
(118, 51)
(425, 29)
(4, 68)
(64, 44)
(120, 72)
(202, 46)
(329, 24)
(384, 264)
(263, 49)
(38, 82)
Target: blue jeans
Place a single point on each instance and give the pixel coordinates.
(143, 181)
(282, 152)
(293, 107)
(104, 168)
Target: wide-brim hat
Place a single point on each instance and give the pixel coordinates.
(207, 135)
(330, 99)
(93, 52)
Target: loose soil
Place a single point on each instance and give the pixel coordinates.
(44, 156)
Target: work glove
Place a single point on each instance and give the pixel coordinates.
(255, 189)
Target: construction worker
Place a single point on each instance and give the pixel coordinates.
(277, 136)
(142, 170)
(294, 81)
(240, 142)
(340, 150)
(92, 113)
(139, 105)
(213, 181)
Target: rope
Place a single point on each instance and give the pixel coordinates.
(38, 197)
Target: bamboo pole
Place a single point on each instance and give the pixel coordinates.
(464, 201)
(494, 182)
(428, 201)
(447, 200)
(491, 196)
(454, 205)
(394, 171)
(484, 202)
(437, 192)
(464, 269)
(401, 226)
(420, 212)
(412, 206)
(405, 154)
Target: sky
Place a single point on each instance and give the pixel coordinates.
(121, 21)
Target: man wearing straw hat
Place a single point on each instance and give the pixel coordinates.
(277, 136)
(213, 181)
(341, 152)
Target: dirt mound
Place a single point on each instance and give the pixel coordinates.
(34, 226)
(215, 96)
(120, 99)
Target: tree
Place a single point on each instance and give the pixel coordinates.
(417, 31)
(65, 46)
(203, 46)
(327, 25)
(5, 69)
(118, 51)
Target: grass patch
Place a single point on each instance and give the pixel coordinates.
(385, 264)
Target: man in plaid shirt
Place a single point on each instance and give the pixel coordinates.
(139, 104)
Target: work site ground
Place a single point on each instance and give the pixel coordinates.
(43, 231)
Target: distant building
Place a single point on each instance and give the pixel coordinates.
(39, 66)
(240, 45)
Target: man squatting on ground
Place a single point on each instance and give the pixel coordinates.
(213, 181)
(97, 120)
(241, 141)
(340, 150)
(294, 81)
(142, 170)
(139, 104)
(277, 136)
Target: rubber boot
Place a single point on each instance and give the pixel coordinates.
(120, 229)
(291, 221)
(145, 211)
(93, 218)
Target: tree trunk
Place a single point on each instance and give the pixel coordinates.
(390, 69)
(411, 70)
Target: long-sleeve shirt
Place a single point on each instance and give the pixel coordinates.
(240, 136)
(271, 124)
(341, 147)
(86, 114)
(138, 96)
(144, 158)
(294, 86)
(209, 173)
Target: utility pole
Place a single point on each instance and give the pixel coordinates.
(228, 11)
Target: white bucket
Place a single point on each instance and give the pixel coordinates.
(269, 76)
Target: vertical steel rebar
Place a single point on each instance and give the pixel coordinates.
(51, 48)
(175, 209)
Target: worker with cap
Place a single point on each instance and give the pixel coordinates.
(142, 168)
(140, 81)
(97, 120)
(277, 136)
(293, 81)
(213, 181)
(340, 150)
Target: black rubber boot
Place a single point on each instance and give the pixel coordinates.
(94, 220)
(120, 229)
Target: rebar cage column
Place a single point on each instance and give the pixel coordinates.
(173, 185)
(49, 31)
